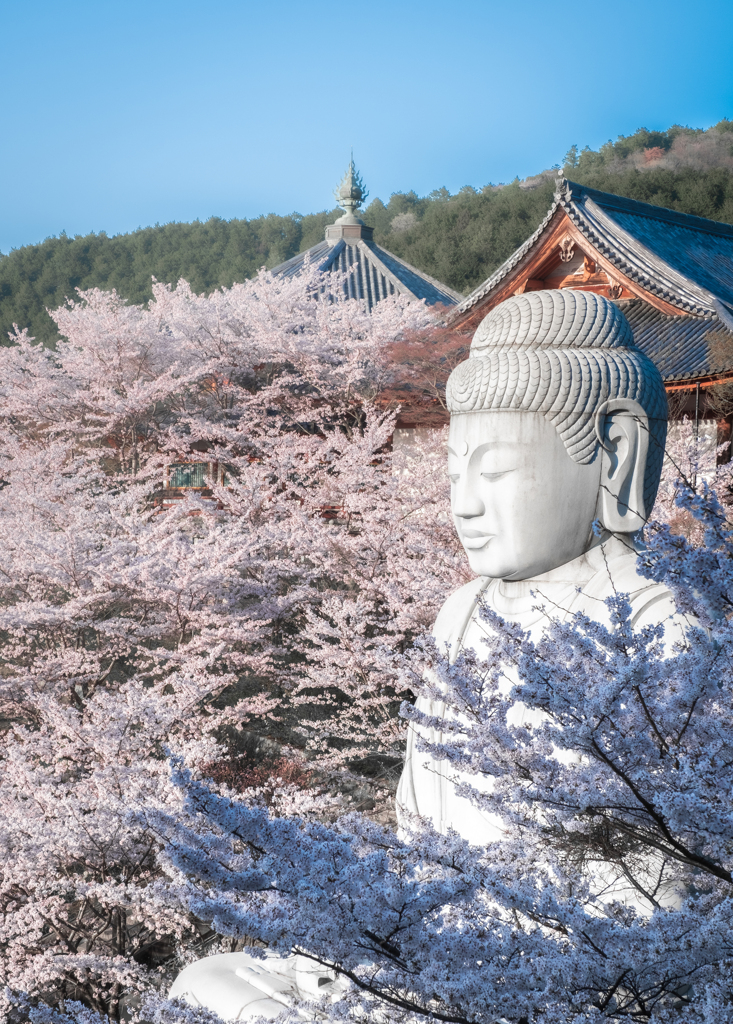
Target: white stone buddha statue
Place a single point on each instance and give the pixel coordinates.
(557, 422)
(238, 986)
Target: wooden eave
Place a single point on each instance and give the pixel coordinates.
(708, 381)
(544, 259)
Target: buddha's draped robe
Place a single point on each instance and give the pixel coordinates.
(426, 787)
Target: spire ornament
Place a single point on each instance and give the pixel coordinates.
(351, 193)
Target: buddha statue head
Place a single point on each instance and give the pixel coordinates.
(558, 422)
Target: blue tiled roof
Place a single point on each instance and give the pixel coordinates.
(291, 267)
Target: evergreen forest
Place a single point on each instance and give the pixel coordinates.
(458, 239)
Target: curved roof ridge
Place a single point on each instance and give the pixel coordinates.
(506, 267)
(683, 259)
(381, 252)
(636, 264)
(640, 209)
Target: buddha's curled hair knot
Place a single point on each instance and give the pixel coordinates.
(563, 354)
(554, 319)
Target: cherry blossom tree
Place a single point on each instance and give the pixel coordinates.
(693, 458)
(292, 596)
(531, 928)
(133, 624)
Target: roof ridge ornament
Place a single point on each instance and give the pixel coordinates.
(561, 187)
(350, 194)
(566, 190)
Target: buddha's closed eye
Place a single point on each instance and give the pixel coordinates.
(495, 474)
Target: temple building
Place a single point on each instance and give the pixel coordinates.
(671, 274)
(370, 272)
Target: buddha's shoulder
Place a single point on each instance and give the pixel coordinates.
(651, 602)
(457, 609)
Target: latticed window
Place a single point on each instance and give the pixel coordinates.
(188, 474)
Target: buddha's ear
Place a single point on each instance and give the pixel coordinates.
(622, 427)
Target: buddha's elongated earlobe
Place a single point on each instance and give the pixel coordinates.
(622, 427)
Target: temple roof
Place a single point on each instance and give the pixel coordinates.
(375, 272)
(671, 272)
(685, 260)
(370, 272)
(680, 345)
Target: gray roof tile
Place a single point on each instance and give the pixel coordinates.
(371, 272)
(679, 345)
(686, 260)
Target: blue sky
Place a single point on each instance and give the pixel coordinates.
(116, 115)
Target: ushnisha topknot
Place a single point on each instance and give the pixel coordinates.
(554, 319)
(562, 353)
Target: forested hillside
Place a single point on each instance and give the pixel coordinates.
(459, 239)
(209, 255)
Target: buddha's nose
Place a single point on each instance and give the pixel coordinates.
(466, 503)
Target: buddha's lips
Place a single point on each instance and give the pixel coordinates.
(475, 539)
